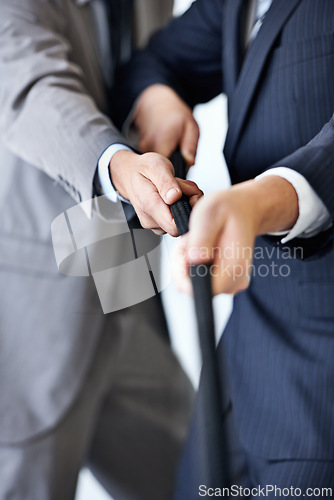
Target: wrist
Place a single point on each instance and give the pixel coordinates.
(276, 204)
(118, 167)
(152, 96)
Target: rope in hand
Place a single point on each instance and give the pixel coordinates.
(214, 443)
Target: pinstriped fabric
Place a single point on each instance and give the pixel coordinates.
(312, 34)
(279, 357)
(312, 19)
(252, 471)
(295, 97)
(279, 345)
(252, 69)
(296, 474)
(279, 352)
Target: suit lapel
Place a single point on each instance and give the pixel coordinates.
(252, 68)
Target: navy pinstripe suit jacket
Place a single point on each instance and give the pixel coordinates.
(279, 344)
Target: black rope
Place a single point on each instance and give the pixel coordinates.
(215, 441)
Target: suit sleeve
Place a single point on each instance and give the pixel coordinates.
(47, 116)
(186, 55)
(315, 161)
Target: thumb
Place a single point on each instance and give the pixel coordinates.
(165, 182)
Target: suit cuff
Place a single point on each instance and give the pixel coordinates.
(313, 214)
(103, 173)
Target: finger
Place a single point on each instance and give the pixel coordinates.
(180, 268)
(230, 278)
(232, 265)
(145, 220)
(194, 199)
(204, 228)
(189, 188)
(154, 209)
(162, 141)
(148, 222)
(161, 174)
(189, 141)
(158, 232)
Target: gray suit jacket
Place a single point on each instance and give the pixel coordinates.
(52, 132)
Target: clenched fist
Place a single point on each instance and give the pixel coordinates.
(148, 182)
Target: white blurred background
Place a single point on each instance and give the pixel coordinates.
(210, 174)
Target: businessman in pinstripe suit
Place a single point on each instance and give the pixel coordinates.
(276, 66)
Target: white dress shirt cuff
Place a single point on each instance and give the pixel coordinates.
(313, 214)
(107, 186)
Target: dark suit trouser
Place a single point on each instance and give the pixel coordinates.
(252, 476)
(127, 425)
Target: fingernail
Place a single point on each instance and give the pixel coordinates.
(171, 194)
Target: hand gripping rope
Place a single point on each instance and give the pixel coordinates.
(213, 443)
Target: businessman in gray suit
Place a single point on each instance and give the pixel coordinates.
(77, 386)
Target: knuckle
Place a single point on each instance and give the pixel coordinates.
(154, 163)
(145, 222)
(159, 232)
(153, 202)
(194, 186)
(191, 183)
(139, 205)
